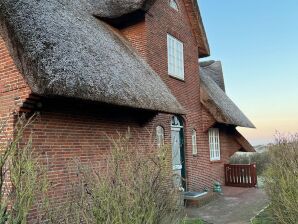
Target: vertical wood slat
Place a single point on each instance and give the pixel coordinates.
(240, 175)
(226, 174)
(254, 176)
(244, 174)
(233, 174)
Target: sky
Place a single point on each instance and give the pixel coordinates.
(257, 42)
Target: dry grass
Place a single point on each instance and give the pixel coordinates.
(21, 182)
(281, 180)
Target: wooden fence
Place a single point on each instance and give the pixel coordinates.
(241, 175)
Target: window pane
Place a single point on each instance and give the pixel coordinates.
(194, 142)
(174, 4)
(214, 144)
(160, 136)
(175, 57)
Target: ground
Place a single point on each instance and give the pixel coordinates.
(265, 217)
(235, 206)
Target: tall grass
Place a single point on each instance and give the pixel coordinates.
(281, 180)
(21, 178)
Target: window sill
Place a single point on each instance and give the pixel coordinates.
(216, 161)
(177, 78)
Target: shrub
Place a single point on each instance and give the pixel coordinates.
(261, 159)
(239, 159)
(136, 188)
(265, 217)
(281, 180)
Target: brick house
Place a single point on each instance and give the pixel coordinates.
(90, 68)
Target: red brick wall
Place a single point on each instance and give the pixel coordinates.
(137, 35)
(160, 20)
(66, 131)
(13, 88)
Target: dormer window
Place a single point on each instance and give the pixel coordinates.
(174, 4)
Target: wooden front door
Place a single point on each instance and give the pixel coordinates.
(178, 152)
(176, 156)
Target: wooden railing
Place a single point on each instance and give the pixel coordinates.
(241, 175)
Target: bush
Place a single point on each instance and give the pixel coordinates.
(261, 159)
(265, 217)
(281, 180)
(136, 188)
(239, 159)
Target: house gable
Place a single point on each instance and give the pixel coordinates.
(190, 8)
(194, 14)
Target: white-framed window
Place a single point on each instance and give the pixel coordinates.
(174, 4)
(175, 57)
(160, 136)
(214, 144)
(194, 142)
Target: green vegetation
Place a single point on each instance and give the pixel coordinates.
(265, 217)
(193, 221)
(261, 159)
(281, 180)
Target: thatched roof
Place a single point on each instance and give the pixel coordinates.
(216, 100)
(214, 70)
(116, 8)
(63, 50)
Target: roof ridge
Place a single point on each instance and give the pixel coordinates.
(205, 64)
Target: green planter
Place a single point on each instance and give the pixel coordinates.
(217, 187)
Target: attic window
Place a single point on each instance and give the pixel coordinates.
(174, 4)
(175, 57)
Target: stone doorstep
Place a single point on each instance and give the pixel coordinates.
(201, 201)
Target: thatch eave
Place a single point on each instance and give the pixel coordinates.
(199, 29)
(213, 97)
